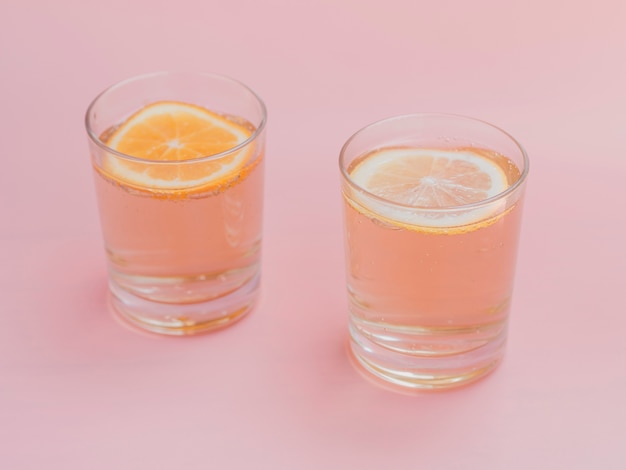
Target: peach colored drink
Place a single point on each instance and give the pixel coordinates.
(430, 288)
(159, 246)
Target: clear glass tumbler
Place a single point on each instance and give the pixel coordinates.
(178, 165)
(433, 207)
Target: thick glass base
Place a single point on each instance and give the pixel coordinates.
(414, 359)
(187, 318)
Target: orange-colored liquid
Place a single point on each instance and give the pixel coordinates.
(406, 276)
(429, 292)
(182, 237)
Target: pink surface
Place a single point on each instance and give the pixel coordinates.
(80, 391)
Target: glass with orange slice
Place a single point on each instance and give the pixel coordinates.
(432, 208)
(178, 165)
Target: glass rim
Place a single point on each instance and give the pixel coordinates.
(485, 202)
(96, 139)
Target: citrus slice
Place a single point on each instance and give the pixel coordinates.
(168, 137)
(431, 186)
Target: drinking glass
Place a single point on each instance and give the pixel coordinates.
(182, 235)
(432, 207)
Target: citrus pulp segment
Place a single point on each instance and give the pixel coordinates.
(167, 137)
(429, 187)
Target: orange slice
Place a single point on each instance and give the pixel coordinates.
(430, 185)
(168, 137)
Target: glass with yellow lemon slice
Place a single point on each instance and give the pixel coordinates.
(432, 209)
(178, 166)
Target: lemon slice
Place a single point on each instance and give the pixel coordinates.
(168, 136)
(430, 186)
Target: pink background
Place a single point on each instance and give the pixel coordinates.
(80, 391)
